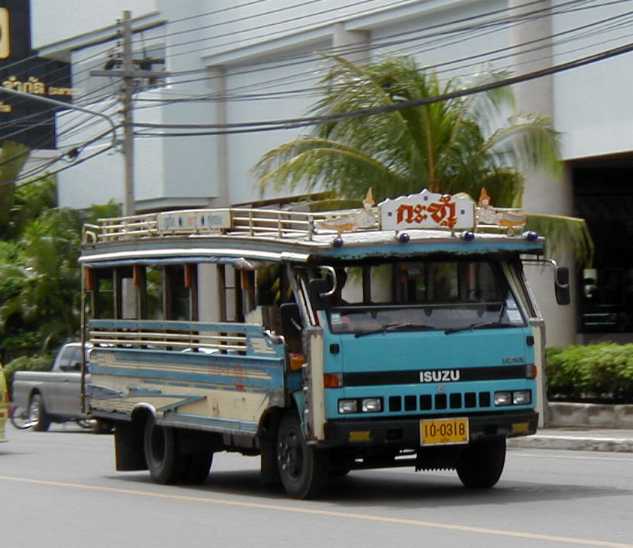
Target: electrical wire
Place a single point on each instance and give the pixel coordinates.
(438, 67)
(384, 109)
(53, 173)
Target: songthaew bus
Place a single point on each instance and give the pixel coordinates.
(402, 334)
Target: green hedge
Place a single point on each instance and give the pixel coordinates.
(594, 372)
(41, 362)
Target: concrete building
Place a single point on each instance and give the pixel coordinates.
(235, 53)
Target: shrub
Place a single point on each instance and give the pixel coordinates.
(597, 372)
(27, 363)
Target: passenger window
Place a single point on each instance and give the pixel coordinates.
(128, 302)
(153, 293)
(180, 285)
(103, 293)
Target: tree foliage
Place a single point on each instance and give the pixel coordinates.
(39, 273)
(13, 156)
(457, 145)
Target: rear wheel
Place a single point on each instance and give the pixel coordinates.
(302, 469)
(37, 414)
(161, 452)
(480, 465)
(194, 467)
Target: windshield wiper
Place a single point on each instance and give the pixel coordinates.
(399, 326)
(473, 326)
(496, 323)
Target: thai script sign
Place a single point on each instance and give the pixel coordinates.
(194, 221)
(35, 86)
(427, 210)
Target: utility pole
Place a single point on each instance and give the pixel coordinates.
(128, 116)
(129, 75)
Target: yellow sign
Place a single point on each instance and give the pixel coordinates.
(5, 34)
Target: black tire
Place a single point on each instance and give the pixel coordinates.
(195, 467)
(303, 470)
(268, 463)
(480, 465)
(37, 413)
(161, 453)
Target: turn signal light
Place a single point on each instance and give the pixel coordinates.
(332, 380)
(531, 371)
(296, 361)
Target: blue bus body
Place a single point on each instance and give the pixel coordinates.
(429, 360)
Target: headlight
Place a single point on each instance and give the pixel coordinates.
(522, 397)
(503, 398)
(347, 406)
(372, 405)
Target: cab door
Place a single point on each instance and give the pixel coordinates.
(67, 391)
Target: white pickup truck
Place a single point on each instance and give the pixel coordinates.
(55, 395)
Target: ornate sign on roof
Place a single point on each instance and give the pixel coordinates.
(194, 220)
(427, 210)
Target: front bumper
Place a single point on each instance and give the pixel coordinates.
(405, 432)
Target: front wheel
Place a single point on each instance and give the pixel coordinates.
(302, 469)
(480, 465)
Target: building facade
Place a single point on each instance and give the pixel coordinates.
(259, 61)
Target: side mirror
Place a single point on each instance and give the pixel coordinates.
(561, 285)
(319, 289)
(290, 319)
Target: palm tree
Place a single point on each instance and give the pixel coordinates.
(13, 156)
(456, 145)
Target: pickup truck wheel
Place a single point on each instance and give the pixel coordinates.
(37, 414)
(161, 453)
(303, 470)
(480, 465)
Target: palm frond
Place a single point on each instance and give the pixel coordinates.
(561, 233)
(322, 162)
(529, 141)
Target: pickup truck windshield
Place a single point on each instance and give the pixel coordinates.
(451, 296)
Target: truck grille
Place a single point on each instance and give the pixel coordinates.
(439, 402)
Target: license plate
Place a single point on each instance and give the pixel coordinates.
(444, 431)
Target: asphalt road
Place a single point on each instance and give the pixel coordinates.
(59, 489)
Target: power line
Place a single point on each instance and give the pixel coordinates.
(53, 173)
(384, 41)
(384, 109)
(483, 55)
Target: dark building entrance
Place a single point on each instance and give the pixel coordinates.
(604, 197)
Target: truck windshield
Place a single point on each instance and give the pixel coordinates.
(422, 295)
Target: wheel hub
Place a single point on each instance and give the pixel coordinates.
(290, 455)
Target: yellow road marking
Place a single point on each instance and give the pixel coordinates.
(327, 513)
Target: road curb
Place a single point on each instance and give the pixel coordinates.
(574, 443)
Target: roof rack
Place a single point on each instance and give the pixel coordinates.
(417, 211)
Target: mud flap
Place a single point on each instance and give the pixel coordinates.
(128, 448)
